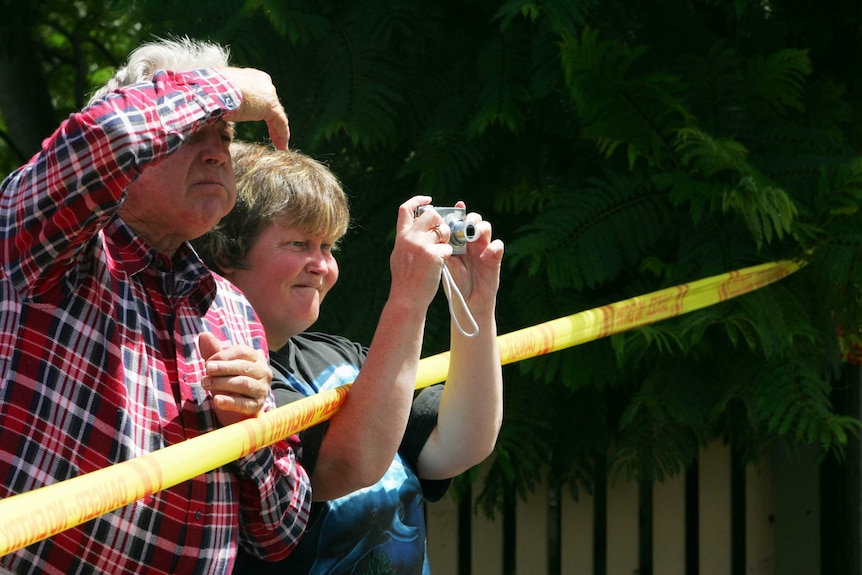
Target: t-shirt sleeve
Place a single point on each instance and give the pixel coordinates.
(420, 425)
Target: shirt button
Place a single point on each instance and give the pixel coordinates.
(197, 515)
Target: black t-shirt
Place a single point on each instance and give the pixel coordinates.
(380, 528)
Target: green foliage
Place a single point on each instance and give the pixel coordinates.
(74, 55)
(620, 101)
(298, 23)
(578, 226)
(618, 147)
(562, 14)
(777, 80)
(718, 172)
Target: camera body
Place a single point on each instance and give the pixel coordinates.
(461, 231)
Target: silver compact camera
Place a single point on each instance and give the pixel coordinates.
(461, 231)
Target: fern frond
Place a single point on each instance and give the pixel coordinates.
(442, 160)
(502, 72)
(716, 89)
(291, 20)
(620, 103)
(839, 191)
(792, 401)
(765, 207)
(562, 15)
(590, 235)
(796, 156)
(837, 265)
(362, 101)
(716, 244)
(664, 424)
(777, 80)
(523, 197)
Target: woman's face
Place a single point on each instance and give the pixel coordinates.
(288, 274)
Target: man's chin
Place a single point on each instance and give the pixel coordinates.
(204, 223)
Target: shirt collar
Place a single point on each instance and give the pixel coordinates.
(129, 252)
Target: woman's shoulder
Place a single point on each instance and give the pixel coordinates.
(310, 340)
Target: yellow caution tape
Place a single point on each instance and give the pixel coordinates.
(614, 318)
(36, 515)
(30, 517)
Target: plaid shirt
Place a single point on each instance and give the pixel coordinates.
(98, 353)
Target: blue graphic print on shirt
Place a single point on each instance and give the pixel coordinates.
(379, 530)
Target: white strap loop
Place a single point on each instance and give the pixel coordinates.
(448, 286)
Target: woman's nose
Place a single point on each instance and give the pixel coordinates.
(317, 262)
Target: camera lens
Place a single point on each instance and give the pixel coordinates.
(461, 232)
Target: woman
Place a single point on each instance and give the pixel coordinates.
(385, 452)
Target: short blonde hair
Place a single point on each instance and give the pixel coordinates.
(282, 187)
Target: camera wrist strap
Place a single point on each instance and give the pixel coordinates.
(448, 287)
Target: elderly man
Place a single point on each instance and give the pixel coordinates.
(115, 339)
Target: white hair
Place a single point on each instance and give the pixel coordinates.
(175, 54)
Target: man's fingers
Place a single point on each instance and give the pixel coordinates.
(259, 103)
(230, 409)
(209, 345)
(237, 404)
(279, 132)
(235, 352)
(239, 395)
(249, 385)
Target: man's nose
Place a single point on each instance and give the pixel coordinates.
(214, 149)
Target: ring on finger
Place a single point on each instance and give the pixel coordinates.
(436, 230)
